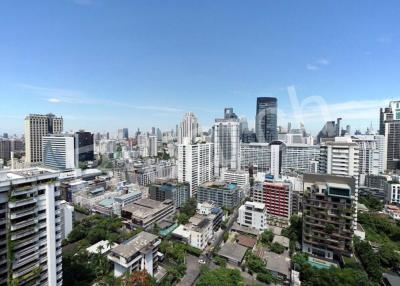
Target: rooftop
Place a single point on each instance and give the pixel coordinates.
(27, 173)
(279, 263)
(144, 208)
(246, 241)
(139, 242)
(233, 252)
(281, 240)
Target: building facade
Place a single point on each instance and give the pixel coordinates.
(328, 209)
(30, 227)
(58, 152)
(179, 193)
(266, 119)
(84, 147)
(221, 194)
(254, 215)
(37, 126)
(195, 164)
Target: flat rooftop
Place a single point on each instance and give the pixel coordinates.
(144, 208)
(233, 252)
(279, 263)
(27, 173)
(139, 242)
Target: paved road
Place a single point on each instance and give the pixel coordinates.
(192, 271)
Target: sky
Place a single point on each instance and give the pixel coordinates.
(108, 64)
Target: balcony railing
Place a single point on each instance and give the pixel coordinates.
(22, 202)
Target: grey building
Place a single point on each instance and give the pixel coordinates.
(390, 128)
(84, 144)
(266, 119)
(178, 193)
(221, 194)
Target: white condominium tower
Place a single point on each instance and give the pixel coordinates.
(226, 142)
(195, 164)
(30, 228)
(37, 126)
(189, 129)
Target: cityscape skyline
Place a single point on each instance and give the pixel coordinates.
(195, 57)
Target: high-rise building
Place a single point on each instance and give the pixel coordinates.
(256, 155)
(226, 142)
(30, 228)
(5, 149)
(195, 164)
(222, 194)
(243, 126)
(123, 134)
(341, 158)
(371, 155)
(390, 128)
(152, 145)
(189, 129)
(37, 126)
(331, 130)
(266, 119)
(328, 209)
(84, 147)
(58, 151)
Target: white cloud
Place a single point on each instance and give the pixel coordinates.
(323, 61)
(312, 67)
(59, 95)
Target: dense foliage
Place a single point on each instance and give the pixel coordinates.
(277, 248)
(369, 260)
(220, 277)
(255, 263)
(266, 237)
(293, 232)
(371, 202)
(187, 210)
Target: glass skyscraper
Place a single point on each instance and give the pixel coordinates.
(266, 119)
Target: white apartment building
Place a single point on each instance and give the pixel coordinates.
(197, 232)
(153, 151)
(67, 219)
(254, 215)
(58, 151)
(226, 143)
(371, 155)
(195, 164)
(37, 126)
(257, 155)
(238, 177)
(30, 227)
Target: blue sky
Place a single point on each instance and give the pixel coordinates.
(105, 64)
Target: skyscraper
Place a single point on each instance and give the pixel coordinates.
(189, 129)
(389, 126)
(123, 134)
(226, 142)
(30, 228)
(266, 119)
(37, 126)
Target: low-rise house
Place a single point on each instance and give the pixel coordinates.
(254, 215)
(136, 254)
(234, 253)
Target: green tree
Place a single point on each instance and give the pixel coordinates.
(255, 263)
(220, 277)
(277, 248)
(369, 260)
(267, 236)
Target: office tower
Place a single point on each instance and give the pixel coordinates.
(330, 130)
(341, 158)
(189, 129)
(195, 164)
(5, 135)
(226, 142)
(5, 149)
(371, 155)
(159, 134)
(266, 119)
(153, 131)
(84, 147)
(328, 209)
(390, 128)
(17, 145)
(37, 126)
(152, 145)
(30, 230)
(178, 193)
(58, 151)
(277, 197)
